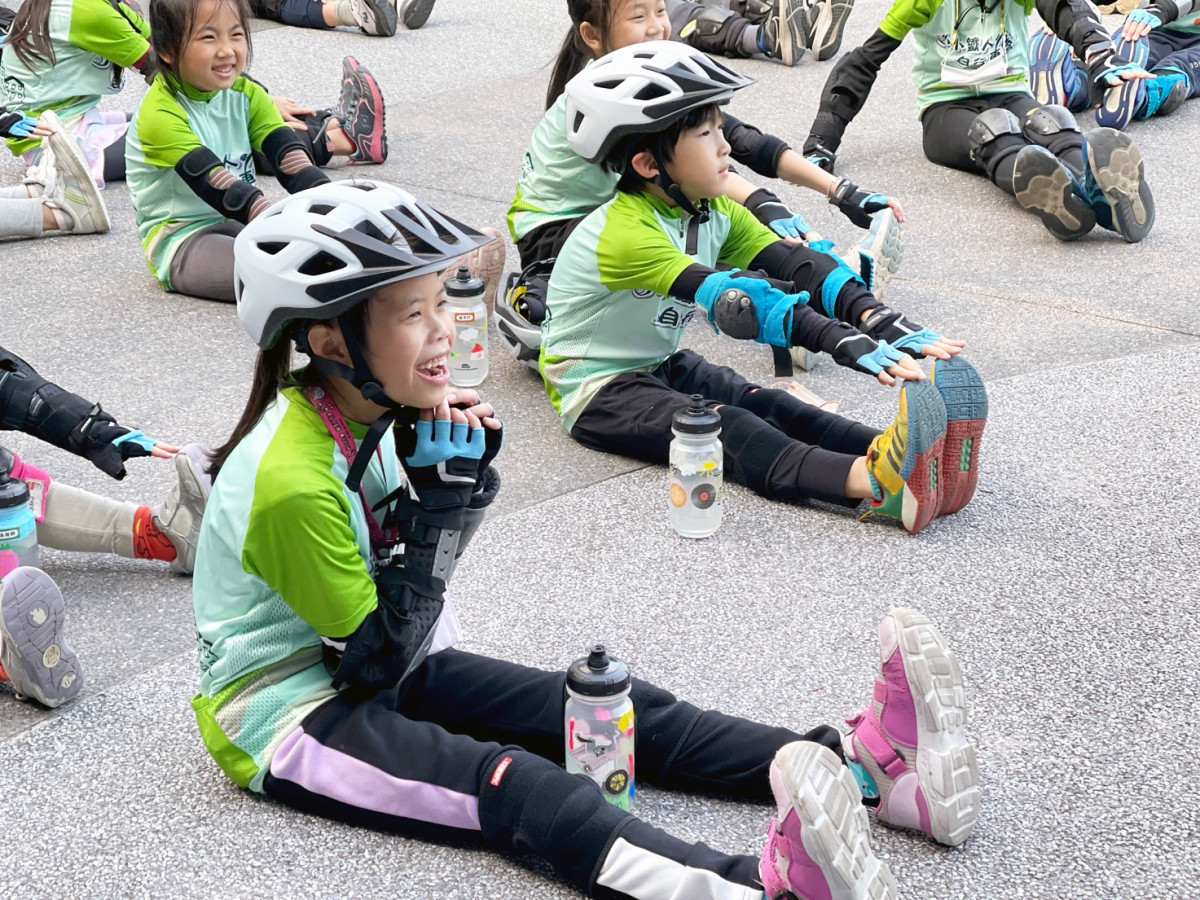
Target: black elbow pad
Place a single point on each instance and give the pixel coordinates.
(233, 202)
(278, 144)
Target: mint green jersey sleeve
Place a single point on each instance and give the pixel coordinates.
(164, 128)
(264, 116)
(905, 15)
(633, 252)
(747, 236)
(122, 37)
(301, 544)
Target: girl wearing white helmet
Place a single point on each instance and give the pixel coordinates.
(328, 676)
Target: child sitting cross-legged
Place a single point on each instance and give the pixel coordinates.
(632, 274)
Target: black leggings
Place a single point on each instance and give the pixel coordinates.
(775, 444)
(470, 748)
(945, 126)
(114, 156)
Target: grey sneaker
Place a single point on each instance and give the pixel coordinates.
(789, 30)
(180, 514)
(39, 663)
(880, 252)
(828, 24)
(377, 17)
(415, 13)
(73, 192)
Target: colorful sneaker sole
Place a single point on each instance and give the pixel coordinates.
(368, 125)
(835, 828)
(882, 250)
(918, 502)
(38, 660)
(947, 769)
(415, 13)
(1120, 103)
(70, 160)
(1046, 57)
(1116, 167)
(1044, 187)
(827, 31)
(966, 402)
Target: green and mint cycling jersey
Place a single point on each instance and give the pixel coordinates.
(608, 309)
(1178, 15)
(555, 182)
(960, 40)
(167, 126)
(284, 559)
(92, 42)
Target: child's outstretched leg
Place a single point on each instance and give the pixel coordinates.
(909, 749)
(819, 845)
(35, 659)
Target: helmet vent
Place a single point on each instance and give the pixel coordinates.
(651, 92)
(272, 247)
(370, 229)
(321, 263)
(610, 85)
(578, 120)
(321, 209)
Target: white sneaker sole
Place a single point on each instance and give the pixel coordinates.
(70, 159)
(836, 830)
(947, 770)
(39, 662)
(884, 246)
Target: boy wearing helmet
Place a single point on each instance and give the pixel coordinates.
(328, 680)
(634, 272)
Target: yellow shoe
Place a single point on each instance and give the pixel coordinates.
(903, 461)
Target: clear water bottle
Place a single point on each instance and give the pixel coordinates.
(469, 355)
(697, 467)
(18, 529)
(598, 724)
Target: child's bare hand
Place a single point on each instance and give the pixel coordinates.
(943, 348)
(163, 451)
(904, 370)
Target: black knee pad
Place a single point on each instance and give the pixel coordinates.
(715, 30)
(991, 127)
(527, 803)
(1052, 127)
(751, 447)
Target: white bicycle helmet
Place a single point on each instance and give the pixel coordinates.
(320, 252)
(642, 89)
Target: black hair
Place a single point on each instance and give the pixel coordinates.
(661, 145)
(172, 24)
(574, 53)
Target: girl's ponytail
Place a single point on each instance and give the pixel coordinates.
(29, 37)
(272, 372)
(574, 53)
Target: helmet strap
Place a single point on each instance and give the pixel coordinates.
(675, 192)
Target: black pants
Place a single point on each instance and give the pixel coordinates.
(469, 749)
(546, 241)
(1178, 49)
(301, 13)
(777, 445)
(945, 126)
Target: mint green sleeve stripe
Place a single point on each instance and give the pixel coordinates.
(264, 116)
(163, 128)
(100, 29)
(747, 236)
(905, 15)
(633, 253)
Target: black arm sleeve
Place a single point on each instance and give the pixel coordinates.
(752, 148)
(1075, 21)
(846, 91)
(235, 202)
(276, 146)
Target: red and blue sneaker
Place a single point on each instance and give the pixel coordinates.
(966, 402)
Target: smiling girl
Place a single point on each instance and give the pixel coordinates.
(190, 148)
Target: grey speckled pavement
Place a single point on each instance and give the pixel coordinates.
(1066, 587)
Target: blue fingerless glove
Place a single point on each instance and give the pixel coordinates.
(860, 352)
(773, 213)
(856, 204)
(16, 124)
(1144, 17)
(746, 307)
(891, 327)
(442, 461)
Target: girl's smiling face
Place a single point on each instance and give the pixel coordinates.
(631, 22)
(215, 52)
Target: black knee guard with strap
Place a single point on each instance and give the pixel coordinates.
(277, 145)
(716, 29)
(1055, 128)
(233, 202)
(996, 138)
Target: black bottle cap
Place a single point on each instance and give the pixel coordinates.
(13, 492)
(696, 418)
(598, 674)
(464, 284)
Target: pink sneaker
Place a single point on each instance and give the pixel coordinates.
(908, 748)
(819, 847)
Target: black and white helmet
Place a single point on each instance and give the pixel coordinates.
(642, 89)
(320, 252)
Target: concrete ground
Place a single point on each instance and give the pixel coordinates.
(1068, 586)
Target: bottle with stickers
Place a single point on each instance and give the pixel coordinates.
(598, 724)
(469, 355)
(18, 529)
(697, 464)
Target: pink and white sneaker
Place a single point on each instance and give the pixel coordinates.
(818, 846)
(908, 748)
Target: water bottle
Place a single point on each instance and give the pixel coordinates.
(696, 470)
(598, 719)
(18, 529)
(469, 355)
